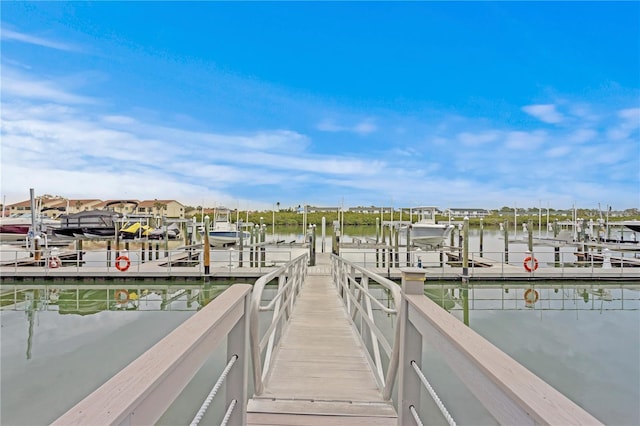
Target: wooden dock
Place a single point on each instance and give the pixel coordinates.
(320, 374)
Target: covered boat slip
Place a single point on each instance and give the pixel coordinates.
(320, 373)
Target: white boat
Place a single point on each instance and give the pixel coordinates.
(427, 232)
(14, 228)
(223, 232)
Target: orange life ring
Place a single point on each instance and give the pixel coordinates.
(530, 263)
(121, 296)
(55, 262)
(121, 267)
(528, 299)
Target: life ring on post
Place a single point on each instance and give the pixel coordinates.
(55, 262)
(120, 266)
(530, 263)
(529, 298)
(121, 296)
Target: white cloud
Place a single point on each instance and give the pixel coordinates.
(629, 123)
(582, 135)
(10, 35)
(558, 151)
(18, 86)
(544, 112)
(362, 128)
(477, 139)
(524, 140)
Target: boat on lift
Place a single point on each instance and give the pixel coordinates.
(14, 228)
(88, 224)
(427, 231)
(223, 232)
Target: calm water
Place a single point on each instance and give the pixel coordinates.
(54, 355)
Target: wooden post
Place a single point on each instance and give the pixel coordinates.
(465, 249)
(251, 245)
(207, 249)
(452, 237)
(240, 228)
(481, 235)
(377, 242)
(263, 253)
(465, 272)
(506, 241)
(530, 235)
(37, 253)
(166, 236)
(397, 246)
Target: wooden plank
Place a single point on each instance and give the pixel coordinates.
(268, 419)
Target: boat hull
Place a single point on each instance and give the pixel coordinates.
(225, 238)
(430, 234)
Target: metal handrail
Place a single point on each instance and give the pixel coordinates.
(344, 277)
(290, 278)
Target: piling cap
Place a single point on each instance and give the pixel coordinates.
(413, 280)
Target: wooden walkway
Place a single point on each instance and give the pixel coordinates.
(320, 374)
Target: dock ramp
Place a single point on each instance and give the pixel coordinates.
(320, 374)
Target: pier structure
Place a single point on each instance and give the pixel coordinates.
(322, 358)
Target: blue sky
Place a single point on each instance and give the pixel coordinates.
(245, 104)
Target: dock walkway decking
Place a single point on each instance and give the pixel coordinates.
(320, 374)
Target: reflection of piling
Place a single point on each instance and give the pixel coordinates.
(109, 253)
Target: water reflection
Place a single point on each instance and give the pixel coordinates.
(72, 300)
(540, 297)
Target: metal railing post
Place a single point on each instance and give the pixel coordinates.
(410, 348)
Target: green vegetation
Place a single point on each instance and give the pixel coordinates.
(293, 218)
